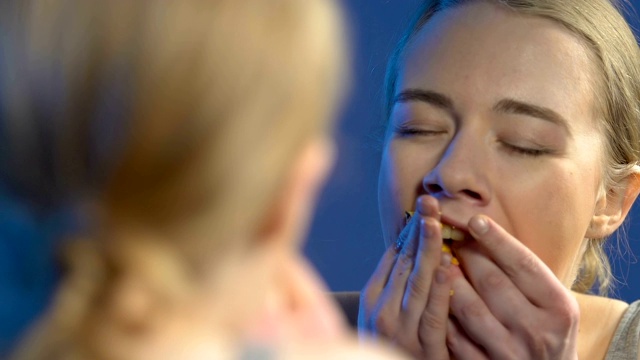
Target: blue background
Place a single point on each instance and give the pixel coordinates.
(345, 240)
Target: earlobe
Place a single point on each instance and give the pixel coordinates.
(614, 206)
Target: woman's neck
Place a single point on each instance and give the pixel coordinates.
(599, 319)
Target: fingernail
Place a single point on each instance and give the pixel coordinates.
(446, 259)
(421, 206)
(479, 225)
(424, 228)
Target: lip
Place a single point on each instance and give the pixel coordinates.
(449, 220)
(453, 222)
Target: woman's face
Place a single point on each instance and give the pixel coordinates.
(494, 113)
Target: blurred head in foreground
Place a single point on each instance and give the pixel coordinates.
(190, 139)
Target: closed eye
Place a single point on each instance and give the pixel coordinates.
(406, 131)
(525, 151)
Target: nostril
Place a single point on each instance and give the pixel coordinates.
(472, 194)
(433, 188)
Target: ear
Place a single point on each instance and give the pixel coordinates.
(613, 207)
(291, 211)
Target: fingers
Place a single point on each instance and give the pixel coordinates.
(499, 293)
(527, 272)
(381, 298)
(394, 289)
(510, 303)
(475, 317)
(419, 283)
(395, 299)
(459, 344)
(380, 276)
(382, 273)
(411, 273)
(432, 330)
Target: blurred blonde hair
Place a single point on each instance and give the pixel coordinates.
(602, 28)
(179, 118)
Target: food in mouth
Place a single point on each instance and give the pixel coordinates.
(449, 234)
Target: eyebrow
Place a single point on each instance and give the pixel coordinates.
(431, 97)
(507, 106)
(518, 107)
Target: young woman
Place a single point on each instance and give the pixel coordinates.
(186, 141)
(514, 126)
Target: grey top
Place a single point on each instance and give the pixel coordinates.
(624, 345)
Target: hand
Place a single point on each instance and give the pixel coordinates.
(510, 305)
(406, 300)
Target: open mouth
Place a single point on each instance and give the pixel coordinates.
(449, 234)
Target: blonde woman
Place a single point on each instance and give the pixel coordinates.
(513, 126)
(188, 140)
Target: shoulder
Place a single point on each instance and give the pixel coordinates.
(626, 339)
(634, 308)
(599, 320)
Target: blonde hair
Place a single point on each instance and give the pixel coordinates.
(602, 28)
(168, 116)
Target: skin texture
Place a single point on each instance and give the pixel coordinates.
(469, 155)
(494, 131)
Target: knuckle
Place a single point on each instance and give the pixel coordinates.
(453, 343)
(536, 343)
(527, 263)
(457, 344)
(473, 309)
(417, 287)
(494, 281)
(405, 260)
(429, 322)
(551, 335)
(564, 310)
(404, 235)
(385, 325)
(567, 314)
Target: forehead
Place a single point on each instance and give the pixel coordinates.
(480, 53)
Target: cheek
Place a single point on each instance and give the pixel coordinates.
(551, 215)
(389, 198)
(399, 184)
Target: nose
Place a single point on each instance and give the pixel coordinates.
(461, 173)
